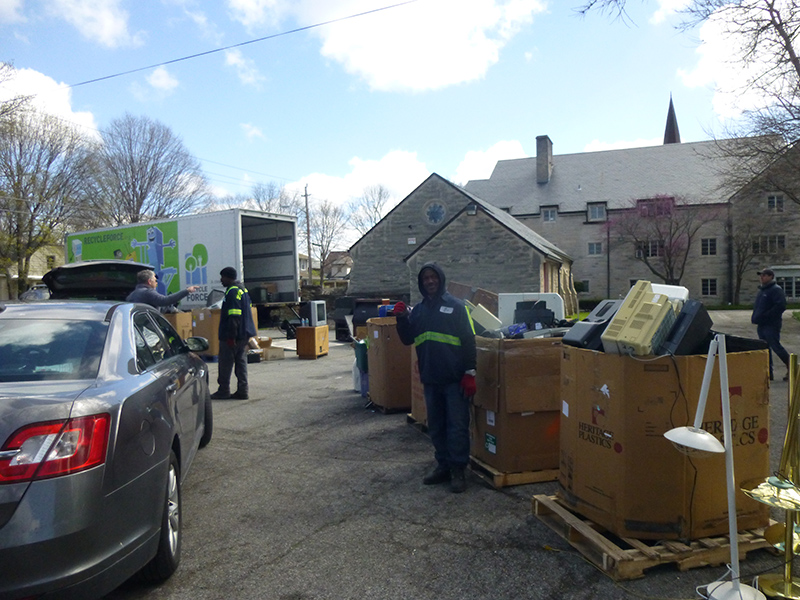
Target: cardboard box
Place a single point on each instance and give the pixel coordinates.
(518, 375)
(419, 411)
(617, 469)
(264, 341)
(205, 323)
(273, 353)
(389, 365)
(181, 322)
(516, 424)
(312, 342)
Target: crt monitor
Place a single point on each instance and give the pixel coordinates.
(318, 314)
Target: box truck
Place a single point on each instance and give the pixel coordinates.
(191, 250)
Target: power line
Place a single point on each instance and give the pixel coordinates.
(240, 44)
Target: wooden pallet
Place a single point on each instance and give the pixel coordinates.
(498, 479)
(601, 548)
(416, 424)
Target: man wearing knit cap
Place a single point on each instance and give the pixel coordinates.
(236, 327)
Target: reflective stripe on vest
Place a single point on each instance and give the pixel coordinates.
(435, 336)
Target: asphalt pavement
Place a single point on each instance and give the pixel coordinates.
(305, 493)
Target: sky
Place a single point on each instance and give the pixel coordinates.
(339, 96)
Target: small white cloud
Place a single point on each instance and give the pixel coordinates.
(103, 21)
(245, 68)
(256, 14)
(251, 131)
(162, 80)
(11, 11)
(479, 164)
(667, 8)
(49, 97)
(598, 146)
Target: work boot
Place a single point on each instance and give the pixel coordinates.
(438, 475)
(458, 480)
(239, 395)
(220, 395)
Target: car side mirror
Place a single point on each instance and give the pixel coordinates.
(197, 344)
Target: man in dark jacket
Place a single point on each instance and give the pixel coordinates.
(441, 329)
(768, 317)
(145, 291)
(236, 327)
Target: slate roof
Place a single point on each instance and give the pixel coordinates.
(612, 176)
(506, 220)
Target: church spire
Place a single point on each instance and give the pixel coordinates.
(671, 133)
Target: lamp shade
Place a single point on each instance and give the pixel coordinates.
(690, 440)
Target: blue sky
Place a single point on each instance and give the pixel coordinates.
(445, 86)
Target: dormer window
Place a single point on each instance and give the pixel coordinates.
(549, 214)
(596, 212)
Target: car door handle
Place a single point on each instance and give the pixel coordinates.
(172, 387)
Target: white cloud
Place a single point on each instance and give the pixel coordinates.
(103, 21)
(245, 67)
(478, 164)
(162, 80)
(49, 97)
(420, 46)
(251, 131)
(667, 8)
(598, 146)
(11, 11)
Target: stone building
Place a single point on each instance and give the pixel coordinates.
(578, 200)
(475, 243)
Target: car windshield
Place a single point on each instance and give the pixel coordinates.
(44, 349)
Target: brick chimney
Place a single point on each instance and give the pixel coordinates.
(544, 158)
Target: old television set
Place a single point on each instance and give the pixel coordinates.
(318, 313)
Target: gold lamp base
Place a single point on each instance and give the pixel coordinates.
(775, 586)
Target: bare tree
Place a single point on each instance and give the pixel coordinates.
(365, 212)
(10, 106)
(661, 232)
(328, 222)
(145, 172)
(45, 169)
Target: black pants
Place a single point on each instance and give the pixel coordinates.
(232, 359)
(772, 335)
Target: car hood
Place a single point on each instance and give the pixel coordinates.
(94, 279)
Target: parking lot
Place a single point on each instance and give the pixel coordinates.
(305, 493)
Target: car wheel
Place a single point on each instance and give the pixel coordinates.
(166, 560)
(208, 423)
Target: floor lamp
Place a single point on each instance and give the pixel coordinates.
(781, 491)
(694, 440)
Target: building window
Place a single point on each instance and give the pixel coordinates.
(655, 207)
(790, 285)
(709, 246)
(769, 244)
(775, 203)
(709, 287)
(649, 249)
(597, 212)
(585, 286)
(549, 214)
(595, 248)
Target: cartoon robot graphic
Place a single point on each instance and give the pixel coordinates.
(153, 254)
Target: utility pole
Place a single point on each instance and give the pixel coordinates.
(308, 235)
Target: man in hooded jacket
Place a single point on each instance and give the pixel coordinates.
(441, 329)
(768, 317)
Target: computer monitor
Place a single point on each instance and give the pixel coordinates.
(318, 313)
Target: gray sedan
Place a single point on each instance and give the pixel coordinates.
(102, 409)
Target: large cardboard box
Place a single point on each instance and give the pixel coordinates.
(419, 410)
(617, 469)
(389, 365)
(516, 418)
(205, 323)
(182, 322)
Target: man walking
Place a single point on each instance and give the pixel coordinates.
(768, 317)
(145, 291)
(441, 329)
(236, 327)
